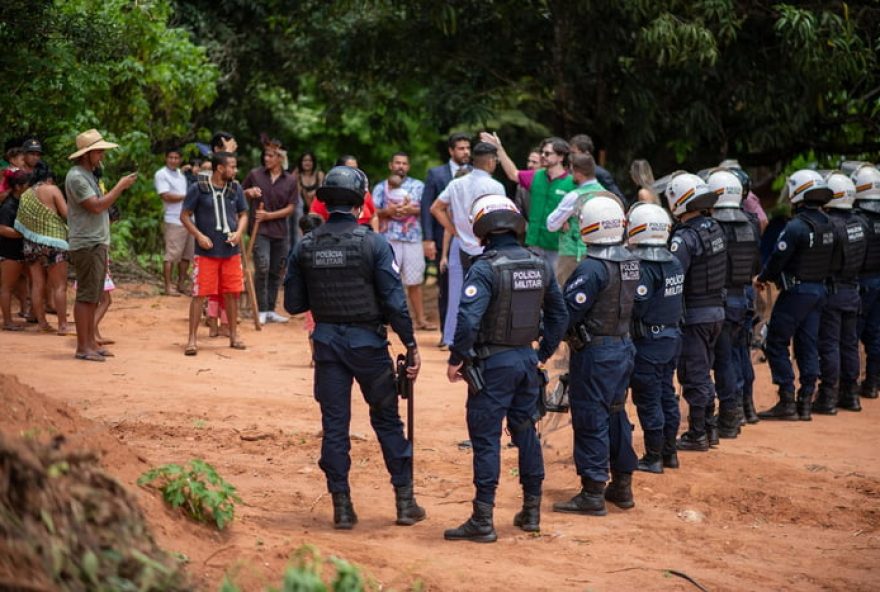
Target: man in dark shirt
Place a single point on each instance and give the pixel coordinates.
(220, 217)
(274, 203)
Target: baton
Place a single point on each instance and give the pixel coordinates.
(405, 390)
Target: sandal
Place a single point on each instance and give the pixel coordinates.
(237, 345)
(46, 328)
(106, 353)
(13, 327)
(190, 350)
(426, 326)
(90, 357)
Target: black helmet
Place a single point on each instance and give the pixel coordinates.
(343, 186)
(496, 213)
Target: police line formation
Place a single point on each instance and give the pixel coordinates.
(650, 297)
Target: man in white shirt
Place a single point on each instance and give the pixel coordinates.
(171, 186)
(452, 207)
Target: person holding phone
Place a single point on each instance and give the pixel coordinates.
(89, 235)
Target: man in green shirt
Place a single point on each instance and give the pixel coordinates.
(565, 217)
(89, 236)
(547, 186)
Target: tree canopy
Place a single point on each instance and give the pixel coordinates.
(682, 84)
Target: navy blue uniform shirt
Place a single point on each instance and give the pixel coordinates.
(386, 282)
(686, 245)
(794, 239)
(477, 296)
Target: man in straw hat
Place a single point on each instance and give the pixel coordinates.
(89, 236)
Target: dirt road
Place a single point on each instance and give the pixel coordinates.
(793, 506)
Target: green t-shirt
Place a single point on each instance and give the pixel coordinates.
(570, 242)
(85, 228)
(546, 195)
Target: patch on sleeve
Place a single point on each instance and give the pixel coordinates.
(674, 246)
(395, 267)
(781, 245)
(580, 297)
(642, 290)
(470, 291)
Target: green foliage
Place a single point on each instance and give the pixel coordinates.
(198, 489)
(307, 575)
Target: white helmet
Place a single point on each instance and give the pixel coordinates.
(602, 221)
(495, 213)
(647, 224)
(688, 193)
(806, 185)
(843, 191)
(867, 182)
(727, 187)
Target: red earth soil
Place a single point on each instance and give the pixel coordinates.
(787, 506)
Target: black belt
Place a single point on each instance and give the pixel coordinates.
(484, 351)
(606, 339)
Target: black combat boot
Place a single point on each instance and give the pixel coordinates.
(408, 511)
(670, 454)
(478, 528)
(652, 462)
(344, 517)
(749, 411)
(589, 501)
(870, 387)
(529, 518)
(619, 492)
(849, 398)
(695, 439)
(712, 431)
(804, 405)
(784, 410)
(826, 400)
(728, 423)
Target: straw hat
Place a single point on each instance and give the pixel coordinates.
(90, 140)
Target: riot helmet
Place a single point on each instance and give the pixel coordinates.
(866, 179)
(687, 192)
(843, 191)
(806, 186)
(602, 221)
(648, 225)
(492, 213)
(727, 186)
(343, 186)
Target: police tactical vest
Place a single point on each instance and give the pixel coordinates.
(338, 269)
(850, 245)
(871, 266)
(742, 241)
(813, 264)
(519, 281)
(611, 314)
(665, 305)
(704, 284)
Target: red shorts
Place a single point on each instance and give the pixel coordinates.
(214, 276)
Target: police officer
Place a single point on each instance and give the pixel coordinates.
(698, 243)
(838, 327)
(345, 274)
(599, 297)
(656, 320)
(505, 291)
(867, 183)
(742, 239)
(799, 264)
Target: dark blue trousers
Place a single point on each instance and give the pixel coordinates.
(653, 391)
(512, 389)
(839, 337)
(742, 353)
(336, 365)
(695, 366)
(869, 324)
(599, 376)
(796, 315)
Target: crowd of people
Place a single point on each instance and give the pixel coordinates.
(632, 290)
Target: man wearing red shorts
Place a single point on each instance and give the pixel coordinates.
(219, 217)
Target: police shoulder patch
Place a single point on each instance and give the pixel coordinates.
(470, 291)
(642, 290)
(674, 246)
(580, 297)
(781, 245)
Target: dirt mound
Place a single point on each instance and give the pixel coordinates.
(65, 524)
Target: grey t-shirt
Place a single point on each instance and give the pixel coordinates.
(85, 228)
